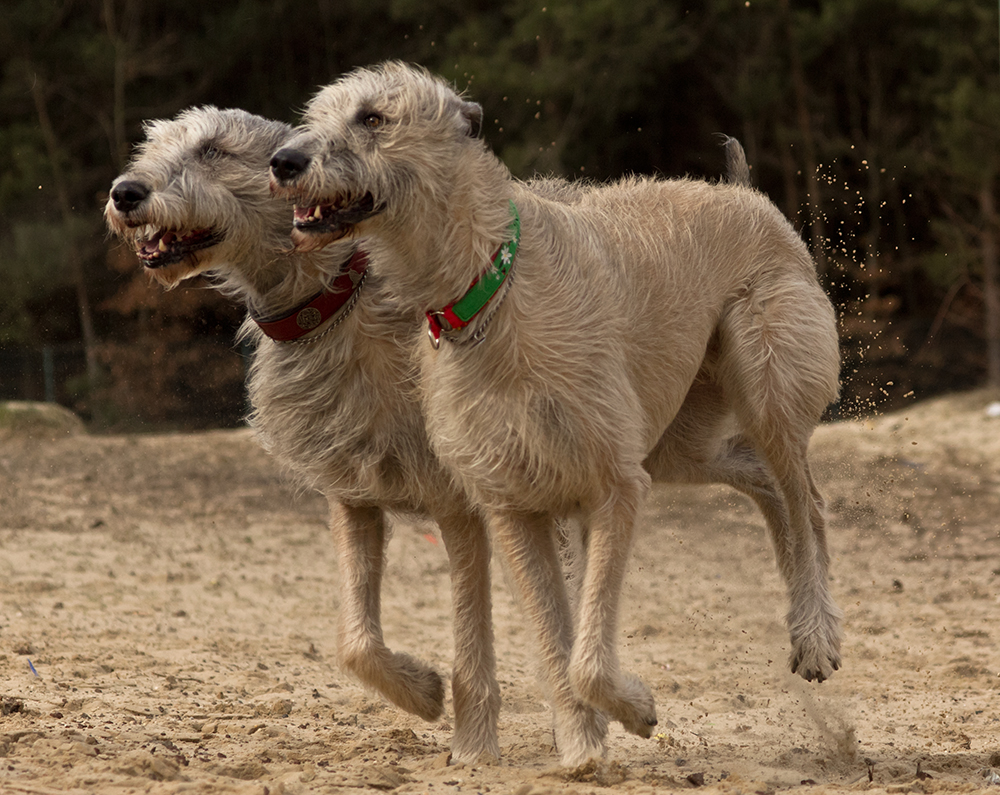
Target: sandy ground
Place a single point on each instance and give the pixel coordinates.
(167, 606)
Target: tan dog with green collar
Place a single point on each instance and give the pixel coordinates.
(671, 329)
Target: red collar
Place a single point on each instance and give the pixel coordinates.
(320, 308)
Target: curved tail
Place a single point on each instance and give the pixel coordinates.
(737, 169)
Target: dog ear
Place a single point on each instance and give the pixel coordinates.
(472, 112)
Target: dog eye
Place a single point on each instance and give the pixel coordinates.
(211, 152)
(373, 120)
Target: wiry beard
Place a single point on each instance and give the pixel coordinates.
(306, 241)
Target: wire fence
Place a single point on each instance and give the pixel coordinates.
(144, 383)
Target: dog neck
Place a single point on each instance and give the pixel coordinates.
(340, 297)
(457, 315)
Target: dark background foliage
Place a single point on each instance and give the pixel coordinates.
(874, 124)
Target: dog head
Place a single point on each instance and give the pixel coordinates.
(370, 143)
(195, 196)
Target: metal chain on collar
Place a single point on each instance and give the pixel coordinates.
(455, 319)
(480, 333)
(344, 312)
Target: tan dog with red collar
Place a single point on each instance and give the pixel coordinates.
(333, 388)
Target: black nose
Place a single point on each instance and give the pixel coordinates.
(128, 195)
(288, 164)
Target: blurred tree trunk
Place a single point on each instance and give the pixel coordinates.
(991, 281)
(119, 139)
(817, 229)
(39, 94)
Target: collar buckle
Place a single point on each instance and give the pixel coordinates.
(437, 324)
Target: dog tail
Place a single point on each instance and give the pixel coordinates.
(737, 169)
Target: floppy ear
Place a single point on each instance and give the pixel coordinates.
(472, 112)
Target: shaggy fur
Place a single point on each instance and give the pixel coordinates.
(339, 410)
(670, 329)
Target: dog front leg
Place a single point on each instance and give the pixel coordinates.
(529, 548)
(360, 535)
(474, 688)
(594, 669)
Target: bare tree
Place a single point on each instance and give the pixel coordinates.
(40, 95)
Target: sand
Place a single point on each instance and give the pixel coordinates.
(168, 603)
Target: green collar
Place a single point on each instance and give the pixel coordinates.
(458, 314)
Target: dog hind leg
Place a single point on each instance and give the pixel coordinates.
(779, 364)
(701, 445)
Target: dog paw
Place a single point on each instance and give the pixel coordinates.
(814, 664)
(580, 733)
(638, 713)
(413, 686)
(428, 696)
(624, 697)
(816, 644)
(475, 754)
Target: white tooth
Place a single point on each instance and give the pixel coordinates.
(162, 246)
(318, 212)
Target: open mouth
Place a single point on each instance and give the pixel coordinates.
(167, 246)
(334, 217)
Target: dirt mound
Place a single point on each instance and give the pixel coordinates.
(38, 420)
